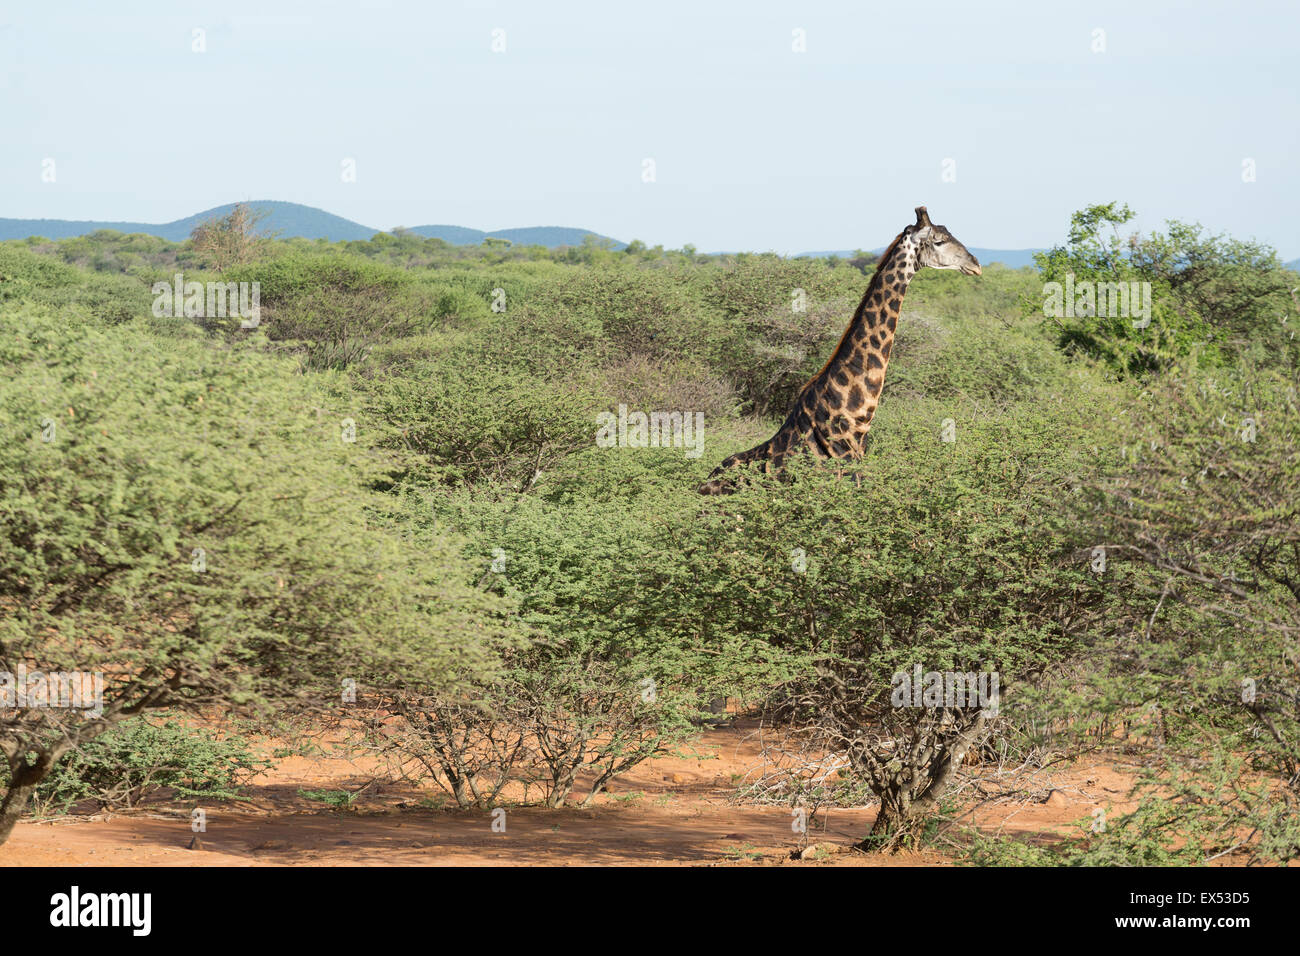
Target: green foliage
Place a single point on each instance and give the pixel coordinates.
(1181, 819)
(190, 519)
(139, 757)
(338, 799)
(1199, 517)
(1209, 295)
(138, 255)
(458, 426)
(561, 611)
(637, 311)
(339, 308)
(781, 320)
(109, 299)
(289, 278)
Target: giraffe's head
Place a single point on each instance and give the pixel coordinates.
(938, 248)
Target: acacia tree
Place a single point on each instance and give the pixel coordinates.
(954, 558)
(1201, 527)
(190, 521)
(229, 240)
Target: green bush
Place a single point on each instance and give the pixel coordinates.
(340, 307)
(193, 521)
(138, 757)
(455, 425)
(108, 299)
(1209, 295)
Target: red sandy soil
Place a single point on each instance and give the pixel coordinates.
(669, 811)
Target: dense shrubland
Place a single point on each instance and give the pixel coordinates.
(394, 482)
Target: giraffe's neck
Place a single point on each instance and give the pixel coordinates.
(864, 351)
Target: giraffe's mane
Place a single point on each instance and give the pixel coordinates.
(880, 264)
(889, 251)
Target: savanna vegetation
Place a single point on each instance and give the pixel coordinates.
(379, 506)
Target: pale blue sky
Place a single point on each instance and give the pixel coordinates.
(755, 146)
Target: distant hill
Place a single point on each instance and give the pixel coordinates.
(549, 236)
(1011, 258)
(1293, 264)
(291, 220)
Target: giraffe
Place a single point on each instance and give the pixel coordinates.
(832, 414)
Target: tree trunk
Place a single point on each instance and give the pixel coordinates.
(903, 803)
(23, 781)
(893, 821)
(13, 805)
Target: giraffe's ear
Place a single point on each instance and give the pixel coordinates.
(922, 217)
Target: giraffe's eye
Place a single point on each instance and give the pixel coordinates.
(939, 242)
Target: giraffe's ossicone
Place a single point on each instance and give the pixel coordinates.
(832, 414)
